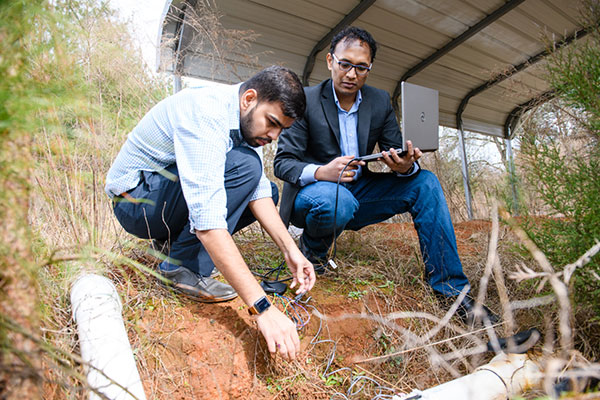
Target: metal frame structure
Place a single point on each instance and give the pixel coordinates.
(514, 115)
(472, 31)
(360, 11)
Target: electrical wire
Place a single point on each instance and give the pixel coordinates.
(279, 268)
(294, 310)
(337, 193)
(382, 392)
(271, 271)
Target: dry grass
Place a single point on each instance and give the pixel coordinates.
(413, 341)
(412, 329)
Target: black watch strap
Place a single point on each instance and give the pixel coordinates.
(260, 306)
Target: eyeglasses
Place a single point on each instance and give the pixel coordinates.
(346, 66)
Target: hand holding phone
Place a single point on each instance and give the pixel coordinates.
(376, 156)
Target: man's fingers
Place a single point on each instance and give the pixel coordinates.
(279, 332)
(395, 156)
(418, 153)
(282, 349)
(301, 288)
(272, 345)
(288, 346)
(347, 176)
(308, 281)
(304, 285)
(312, 278)
(293, 345)
(299, 278)
(290, 352)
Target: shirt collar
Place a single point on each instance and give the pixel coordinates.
(354, 107)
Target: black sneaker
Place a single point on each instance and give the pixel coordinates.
(197, 287)
(466, 311)
(318, 263)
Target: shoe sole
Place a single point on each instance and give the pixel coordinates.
(200, 299)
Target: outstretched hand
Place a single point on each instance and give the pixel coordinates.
(279, 332)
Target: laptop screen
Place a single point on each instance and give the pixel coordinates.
(420, 116)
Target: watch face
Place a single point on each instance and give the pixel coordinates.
(262, 304)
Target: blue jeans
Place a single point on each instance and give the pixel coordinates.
(164, 216)
(375, 198)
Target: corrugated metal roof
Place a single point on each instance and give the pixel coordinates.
(472, 47)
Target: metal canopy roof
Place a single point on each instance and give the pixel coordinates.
(485, 57)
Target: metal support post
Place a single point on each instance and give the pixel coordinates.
(465, 171)
(510, 162)
(176, 83)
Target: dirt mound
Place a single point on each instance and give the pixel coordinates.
(214, 351)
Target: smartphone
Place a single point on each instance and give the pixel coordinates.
(377, 156)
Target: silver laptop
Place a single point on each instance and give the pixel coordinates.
(420, 117)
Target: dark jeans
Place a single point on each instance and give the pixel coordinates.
(375, 198)
(162, 212)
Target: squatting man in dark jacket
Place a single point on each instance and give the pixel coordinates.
(345, 118)
(191, 173)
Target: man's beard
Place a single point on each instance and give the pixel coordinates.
(246, 127)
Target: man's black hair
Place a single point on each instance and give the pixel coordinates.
(351, 33)
(279, 84)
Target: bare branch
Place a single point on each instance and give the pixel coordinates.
(584, 259)
(566, 335)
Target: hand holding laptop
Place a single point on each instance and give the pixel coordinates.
(420, 122)
(402, 162)
(397, 161)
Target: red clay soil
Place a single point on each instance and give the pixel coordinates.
(206, 352)
(214, 351)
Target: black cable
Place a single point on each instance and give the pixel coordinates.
(278, 269)
(271, 271)
(337, 193)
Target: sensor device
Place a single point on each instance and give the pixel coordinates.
(272, 287)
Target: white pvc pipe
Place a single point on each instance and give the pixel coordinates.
(505, 376)
(103, 340)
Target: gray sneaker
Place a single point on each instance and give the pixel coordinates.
(197, 287)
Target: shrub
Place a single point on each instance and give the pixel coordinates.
(561, 162)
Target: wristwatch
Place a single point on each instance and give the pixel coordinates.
(261, 305)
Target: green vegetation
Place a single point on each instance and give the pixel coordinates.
(31, 93)
(72, 86)
(560, 157)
